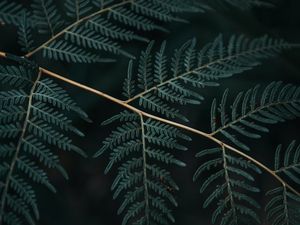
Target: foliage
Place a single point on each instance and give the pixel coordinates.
(34, 116)
(147, 141)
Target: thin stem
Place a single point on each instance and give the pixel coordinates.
(146, 191)
(77, 22)
(227, 179)
(18, 148)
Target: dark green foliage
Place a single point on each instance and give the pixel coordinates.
(141, 149)
(25, 34)
(283, 207)
(11, 12)
(34, 116)
(287, 161)
(252, 109)
(232, 198)
(162, 82)
(46, 15)
(92, 29)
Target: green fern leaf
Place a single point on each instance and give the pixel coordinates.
(191, 69)
(47, 16)
(32, 120)
(288, 162)
(234, 204)
(77, 8)
(252, 109)
(11, 12)
(71, 53)
(282, 207)
(139, 147)
(25, 34)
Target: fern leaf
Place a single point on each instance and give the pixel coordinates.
(103, 29)
(89, 39)
(77, 8)
(11, 12)
(233, 200)
(251, 110)
(139, 147)
(190, 69)
(25, 34)
(32, 120)
(287, 162)
(282, 207)
(47, 16)
(62, 50)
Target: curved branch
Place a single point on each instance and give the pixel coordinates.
(77, 22)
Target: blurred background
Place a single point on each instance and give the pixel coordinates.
(86, 198)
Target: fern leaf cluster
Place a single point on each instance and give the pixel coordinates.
(282, 207)
(287, 161)
(232, 198)
(252, 109)
(93, 27)
(34, 118)
(160, 82)
(141, 149)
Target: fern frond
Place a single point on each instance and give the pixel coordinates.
(89, 39)
(62, 50)
(282, 207)
(139, 147)
(11, 12)
(25, 34)
(33, 120)
(287, 161)
(252, 109)
(162, 81)
(47, 16)
(105, 28)
(233, 200)
(77, 8)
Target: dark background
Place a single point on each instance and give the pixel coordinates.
(86, 198)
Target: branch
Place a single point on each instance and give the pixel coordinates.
(175, 124)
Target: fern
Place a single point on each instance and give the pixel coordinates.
(289, 164)
(141, 149)
(11, 12)
(77, 8)
(47, 16)
(162, 82)
(25, 34)
(252, 109)
(101, 28)
(234, 204)
(34, 117)
(282, 207)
